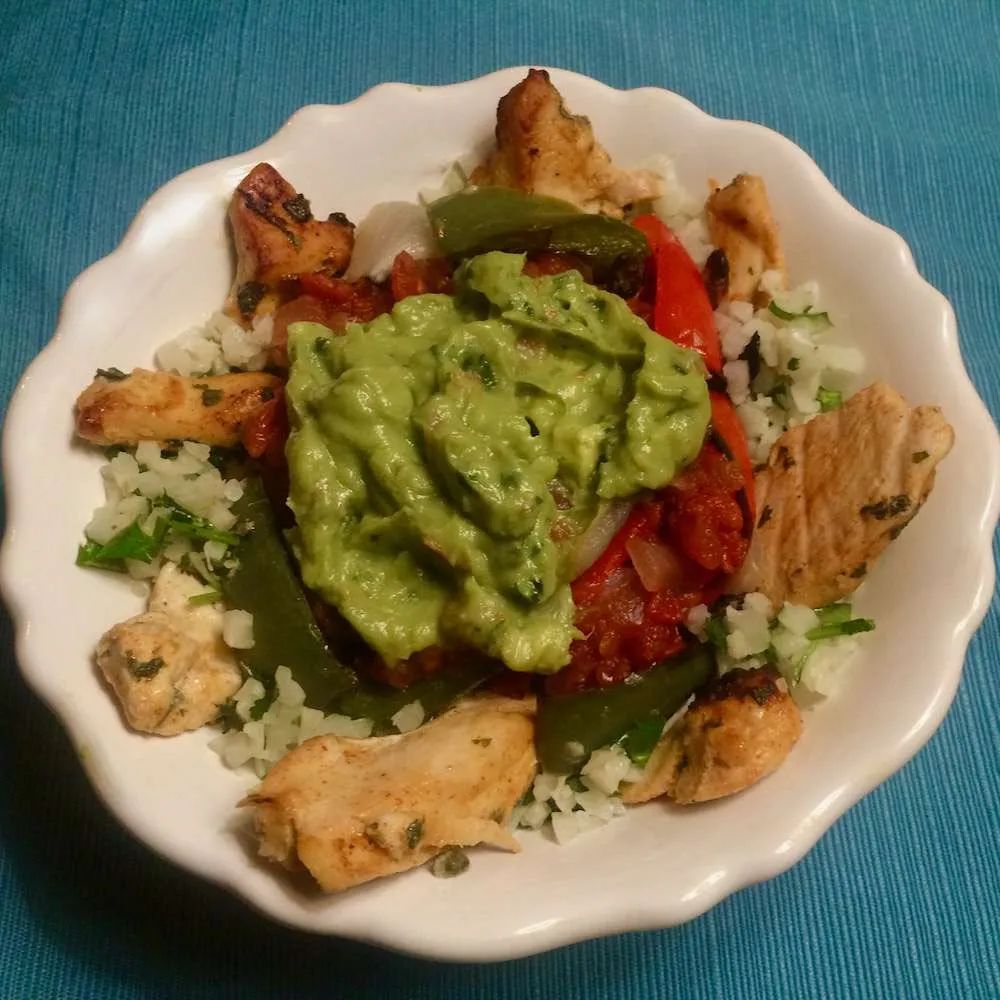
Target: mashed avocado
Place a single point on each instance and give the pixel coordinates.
(444, 456)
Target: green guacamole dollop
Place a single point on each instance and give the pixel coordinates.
(444, 457)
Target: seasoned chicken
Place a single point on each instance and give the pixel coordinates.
(276, 237)
(157, 406)
(543, 149)
(836, 491)
(740, 224)
(169, 667)
(354, 810)
(736, 731)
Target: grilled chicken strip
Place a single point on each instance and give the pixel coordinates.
(836, 491)
(355, 810)
(740, 224)
(157, 406)
(543, 149)
(169, 667)
(276, 237)
(737, 730)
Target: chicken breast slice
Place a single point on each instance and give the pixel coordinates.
(740, 224)
(736, 731)
(158, 406)
(836, 491)
(543, 149)
(169, 667)
(354, 810)
(276, 237)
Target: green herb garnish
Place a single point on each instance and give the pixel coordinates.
(210, 397)
(414, 833)
(715, 632)
(249, 295)
(818, 321)
(298, 208)
(640, 741)
(143, 670)
(130, 543)
(452, 862)
(208, 597)
(111, 374)
(829, 399)
(834, 614)
(849, 627)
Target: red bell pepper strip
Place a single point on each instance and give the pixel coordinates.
(726, 423)
(643, 519)
(681, 308)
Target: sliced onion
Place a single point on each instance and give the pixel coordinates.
(592, 543)
(656, 563)
(389, 229)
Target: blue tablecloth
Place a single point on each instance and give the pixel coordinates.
(899, 102)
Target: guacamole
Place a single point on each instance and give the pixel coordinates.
(444, 457)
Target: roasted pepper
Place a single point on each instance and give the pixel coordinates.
(380, 702)
(474, 222)
(264, 583)
(571, 727)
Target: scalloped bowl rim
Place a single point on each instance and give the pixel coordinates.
(642, 914)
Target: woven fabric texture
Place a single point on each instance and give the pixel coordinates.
(899, 102)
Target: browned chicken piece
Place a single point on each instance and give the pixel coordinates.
(355, 810)
(543, 149)
(276, 237)
(169, 667)
(157, 406)
(737, 730)
(836, 491)
(741, 225)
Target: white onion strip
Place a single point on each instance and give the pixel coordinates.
(592, 543)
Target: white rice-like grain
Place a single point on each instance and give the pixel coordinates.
(237, 629)
(218, 346)
(409, 717)
(286, 723)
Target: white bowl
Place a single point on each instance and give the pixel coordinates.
(659, 865)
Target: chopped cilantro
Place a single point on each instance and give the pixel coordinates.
(850, 627)
(414, 833)
(130, 543)
(111, 374)
(211, 397)
(454, 861)
(208, 597)
(143, 670)
(829, 399)
(889, 507)
(715, 631)
(249, 295)
(298, 208)
(640, 741)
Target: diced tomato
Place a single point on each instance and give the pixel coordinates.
(681, 310)
(360, 300)
(265, 431)
(304, 309)
(419, 277)
(323, 286)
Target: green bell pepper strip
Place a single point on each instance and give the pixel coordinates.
(380, 703)
(493, 218)
(265, 584)
(571, 727)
